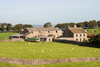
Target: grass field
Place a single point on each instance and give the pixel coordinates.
(6, 35)
(93, 31)
(51, 50)
(73, 64)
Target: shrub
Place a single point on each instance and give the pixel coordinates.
(95, 39)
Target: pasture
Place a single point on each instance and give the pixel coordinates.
(73, 64)
(51, 50)
(6, 35)
(93, 31)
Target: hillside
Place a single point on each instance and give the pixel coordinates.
(93, 31)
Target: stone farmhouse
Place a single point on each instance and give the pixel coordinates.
(43, 33)
(75, 33)
(71, 33)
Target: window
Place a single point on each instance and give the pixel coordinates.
(76, 35)
(80, 35)
(48, 31)
(39, 31)
(84, 35)
(83, 38)
(76, 39)
(49, 40)
(37, 39)
(56, 31)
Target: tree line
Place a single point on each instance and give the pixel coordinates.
(19, 27)
(85, 24)
(10, 27)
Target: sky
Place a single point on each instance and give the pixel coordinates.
(55, 11)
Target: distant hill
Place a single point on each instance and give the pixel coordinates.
(0, 23)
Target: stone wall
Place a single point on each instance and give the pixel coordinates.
(46, 61)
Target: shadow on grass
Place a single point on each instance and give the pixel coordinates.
(88, 44)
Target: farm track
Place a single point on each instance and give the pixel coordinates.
(46, 61)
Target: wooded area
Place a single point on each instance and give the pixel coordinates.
(17, 27)
(85, 24)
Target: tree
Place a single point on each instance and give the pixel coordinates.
(71, 24)
(18, 27)
(58, 25)
(98, 22)
(81, 24)
(92, 23)
(27, 26)
(85, 24)
(95, 39)
(92, 39)
(3, 26)
(48, 24)
(8, 27)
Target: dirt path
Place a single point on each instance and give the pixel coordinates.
(46, 61)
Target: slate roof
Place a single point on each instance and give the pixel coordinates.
(17, 35)
(77, 30)
(26, 34)
(44, 29)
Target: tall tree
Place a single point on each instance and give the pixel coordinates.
(18, 27)
(3, 26)
(8, 27)
(63, 25)
(48, 24)
(85, 24)
(58, 25)
(71, 24)
(27, 26)
(81, 24)
(92, 23)
(98, 22)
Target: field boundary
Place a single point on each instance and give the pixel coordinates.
(46, 61)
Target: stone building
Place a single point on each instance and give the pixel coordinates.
(71, 33)
(36, 32)
(47, 33)
(75, 33)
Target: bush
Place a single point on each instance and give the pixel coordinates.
(58, 37)
(85, 41)
(95, 39)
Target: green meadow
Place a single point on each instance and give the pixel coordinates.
(50, 50)
(6, 35)
(93, 31)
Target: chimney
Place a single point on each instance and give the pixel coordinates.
(67, 26)
(75, 26)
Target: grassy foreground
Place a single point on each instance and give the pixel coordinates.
(6, 35)
(51, 50)
(73, 64)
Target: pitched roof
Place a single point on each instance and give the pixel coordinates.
(77, 30)
(44, 29)
(26, 34)
(17, 35)
(21, 34)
